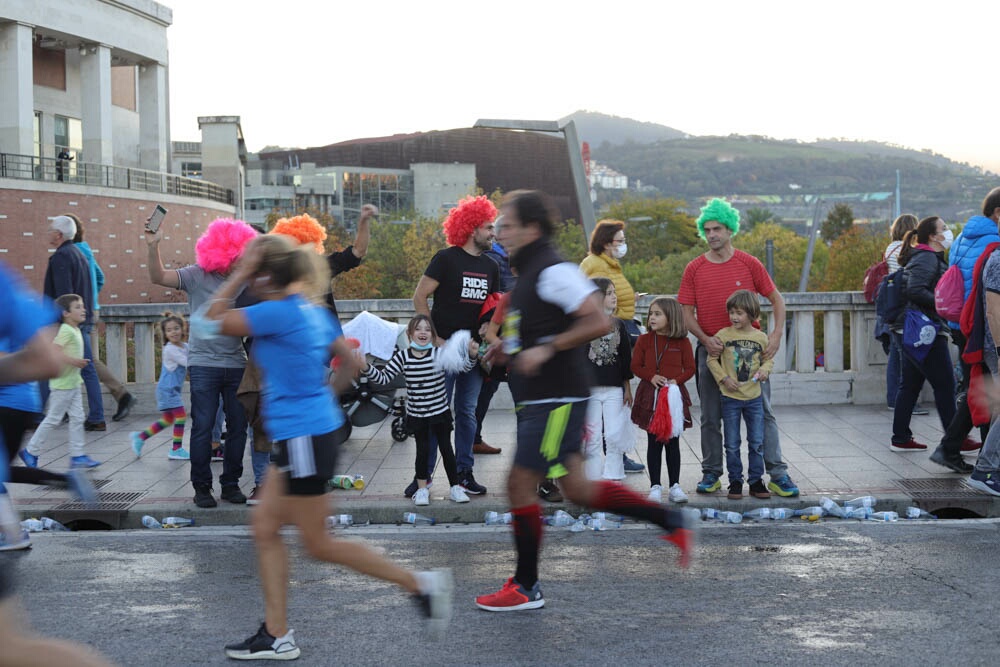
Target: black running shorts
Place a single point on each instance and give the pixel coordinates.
(547, 433)
(309, 461)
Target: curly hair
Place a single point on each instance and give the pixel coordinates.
(304, 229)
(722, 212)
(222, 244)
(468, 215)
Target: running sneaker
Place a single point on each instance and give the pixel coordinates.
(549, 492)
(411, 488)
(911, 446)
(231, 493)
(179, 454)
(632, 466)
(20, 541)
(422, 497)
(265, 646)
(655, 493)
(81, 486)
(676, 494)
(709, 483)
(469, 483)
(784, 487)
(758, 490)
(83, 462)
(218, 454)
(458, 494)
(29, 460)
(434, 598)
(254, 497)
(137, 443)
(985, 481)
(512, 596)
(685, 538)
(955, 462)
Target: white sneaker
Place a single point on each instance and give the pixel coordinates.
(677, 495)
(458, 494)
(656, 494)
(422, 497)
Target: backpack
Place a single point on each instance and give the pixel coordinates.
(873, 279)
(949, 294)
(889, 302)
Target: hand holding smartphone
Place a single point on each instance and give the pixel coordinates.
(154, 221)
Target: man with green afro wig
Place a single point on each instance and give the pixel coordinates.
(721, 211)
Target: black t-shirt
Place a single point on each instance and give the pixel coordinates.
(464, 281)
(340, 262)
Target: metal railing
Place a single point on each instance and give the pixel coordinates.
(31, 168)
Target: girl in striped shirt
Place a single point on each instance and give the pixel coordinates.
(427, 408)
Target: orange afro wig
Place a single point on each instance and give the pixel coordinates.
(222, 244)
(304, 229)
(462, 220)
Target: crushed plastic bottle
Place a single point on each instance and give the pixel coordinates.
(560, 519)
(342, 482)
(33, 525)
(709, 513)
(604, 523)
(176, 522)
(858, 512)
(418, 519)
(863, 501)
(339, 520)
(832, 508)
(578, 527)
(497, 518)
(779, 513)
(885, 517)
(758, 514)
(917, 513)
(53, 525)
(810, 511)
(607, 516)
(151, 522)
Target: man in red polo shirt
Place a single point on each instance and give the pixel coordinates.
(707, 283)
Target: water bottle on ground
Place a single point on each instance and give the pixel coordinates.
(729, 517)
(151, 522)
(604, 523)
(561, 519)
(607, 516)
(52, 524)
(176, 522)
(858, 513)
(832, 508)
(33, 525)
(884, 517)
(709, 513)
(778, 513)
(917, 513)
(758, 513)
(418, 519)
(810, 511)
(497, 518)
(339, 520)
(863, 501)
(578, 527)
(342, 482)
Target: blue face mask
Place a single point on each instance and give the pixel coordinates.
(418, 346)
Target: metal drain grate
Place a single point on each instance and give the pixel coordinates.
(939, 489)
(107, 502)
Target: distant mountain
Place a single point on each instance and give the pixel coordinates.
(598, 128)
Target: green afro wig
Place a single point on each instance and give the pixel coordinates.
(721, 211)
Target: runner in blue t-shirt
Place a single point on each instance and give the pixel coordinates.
(293, 341)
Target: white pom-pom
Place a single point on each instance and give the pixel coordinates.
(676, 403)
(453, 356)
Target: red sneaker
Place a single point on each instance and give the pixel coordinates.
(512, 596)
(686, 537)
(911, 446)
(970, 446)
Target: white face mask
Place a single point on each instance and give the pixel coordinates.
(949, 238)
(621, 250)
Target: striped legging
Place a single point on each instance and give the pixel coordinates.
(175, 416)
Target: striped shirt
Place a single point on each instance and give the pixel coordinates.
(425, 388)
(707, 286)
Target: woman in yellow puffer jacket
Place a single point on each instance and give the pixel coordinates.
(607, 247)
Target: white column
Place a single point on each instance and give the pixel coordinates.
(16, 93)
(153, 117)
(95, 86)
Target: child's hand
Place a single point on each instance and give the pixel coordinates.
(730, 384)
(473, 349)
(79, 363)
(760, 376)
(659, 381)
(627, 401)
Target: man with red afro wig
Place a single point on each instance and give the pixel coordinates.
(216, 365)
(460, 278)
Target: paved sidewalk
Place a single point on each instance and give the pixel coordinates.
(840, 451)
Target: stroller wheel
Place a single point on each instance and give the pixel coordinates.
(399, 433)
(344, 432)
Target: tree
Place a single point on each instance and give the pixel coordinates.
(838, 220)
(654, 227)
(850, 256)
(789, 254)
(755, 216)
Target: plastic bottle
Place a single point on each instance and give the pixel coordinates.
(560, 519)
(709, 513)
(177, 522)
(33, 525)
(339, 520)
(359, 482)
(778, 513)
(150, 522)
(578, 527)
(729, 517)
(53, 525)
(342, 482)
(810, 511)
(863, 501)
(832, 508)
(497, 518)
(917, 513)
(858, 513)
(418, 519)
(603, 523)
(758, 513)
(884, 516)
(607, 516)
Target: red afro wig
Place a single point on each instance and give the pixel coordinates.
(462, 220)
(304, 229)
(222, 244)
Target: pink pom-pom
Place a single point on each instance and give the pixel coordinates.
(462, 220)
(222, 244)
(661, 425)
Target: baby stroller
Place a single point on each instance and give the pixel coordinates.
(367, 402)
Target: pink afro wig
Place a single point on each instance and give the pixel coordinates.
(462, 220)
(222, 244)
(304, 229)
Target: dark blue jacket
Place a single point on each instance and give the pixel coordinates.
(499, 255)
(978, 233)
(69, 273)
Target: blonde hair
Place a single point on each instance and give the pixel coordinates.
(287, 263)
(671, 309)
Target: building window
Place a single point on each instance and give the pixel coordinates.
(191, 169)
(38, 134)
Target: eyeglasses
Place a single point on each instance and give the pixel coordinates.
(618, 241)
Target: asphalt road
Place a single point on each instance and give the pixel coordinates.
(833, 593)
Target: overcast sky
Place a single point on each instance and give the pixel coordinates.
(313, 72)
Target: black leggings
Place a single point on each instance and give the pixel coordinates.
(422, 429)
(654, 450)
(13, 424)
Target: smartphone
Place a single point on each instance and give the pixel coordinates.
(153, 223)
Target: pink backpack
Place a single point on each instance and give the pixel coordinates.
(949, 294)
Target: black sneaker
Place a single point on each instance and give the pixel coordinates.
(956, 463)
(203, 497)
(758, 490)
(124, 407)
(412, 487)
(735, 489)
(265, 646)
(434, 598)
(232, 494)
(549, 492)
(469, 483)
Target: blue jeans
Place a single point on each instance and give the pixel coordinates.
(95, 402)
(220, 421)
(259, 462)
(465, 387)
(207, 385)
(752, 412)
